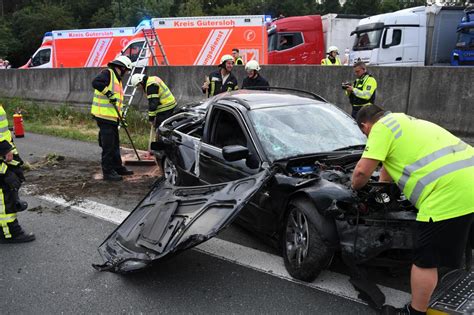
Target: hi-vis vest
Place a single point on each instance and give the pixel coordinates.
(433, 168)
(5, 133)
(327, 62)
(101, 107)
(364, 91)
(167, 100)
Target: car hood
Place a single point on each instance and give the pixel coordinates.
(171, 219)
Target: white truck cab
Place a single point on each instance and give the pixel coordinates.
(391, 39)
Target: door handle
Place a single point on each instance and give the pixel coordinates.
(398, 59)
(206, 156)
(292, 59)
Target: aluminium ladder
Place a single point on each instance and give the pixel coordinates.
(146, 51)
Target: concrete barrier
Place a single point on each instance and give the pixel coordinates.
(444, 95)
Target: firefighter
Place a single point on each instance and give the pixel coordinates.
(222, 80)
(332, 59)
(106, 107)
(362, 92)
(238, 61)
(10, 204)
(435, 171)
(253, 76)
(161, 102)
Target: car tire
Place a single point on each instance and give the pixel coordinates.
(170, 171)
(304, 251)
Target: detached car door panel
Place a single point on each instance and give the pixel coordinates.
(171, 219)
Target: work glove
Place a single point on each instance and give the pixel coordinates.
(12, 180)
(112, 99)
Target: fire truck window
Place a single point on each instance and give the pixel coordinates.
(42, 57)
(289, 40)
(133, 51)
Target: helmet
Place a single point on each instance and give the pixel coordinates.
(252, 65)
(226, 58)
(332, 48)
(137, 78)
(122, 61)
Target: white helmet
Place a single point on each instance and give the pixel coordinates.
(137, 78)
(252, 65)
(332, 48)
(122, 61)
(226, 58)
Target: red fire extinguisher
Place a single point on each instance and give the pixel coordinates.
(18, 129)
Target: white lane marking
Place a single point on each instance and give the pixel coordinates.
(330, 282)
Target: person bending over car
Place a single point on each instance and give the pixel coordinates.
(435, 171)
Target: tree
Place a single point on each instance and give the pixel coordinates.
(389, 6)
(8, 43)
(362, 7)
(31, 22)
(128, 13)
(329, 6)
(191, 8)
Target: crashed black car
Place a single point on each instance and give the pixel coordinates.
(279, 163)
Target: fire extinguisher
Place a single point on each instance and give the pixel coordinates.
(18, 129)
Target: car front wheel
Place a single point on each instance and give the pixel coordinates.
(304, 251)
(170, 172)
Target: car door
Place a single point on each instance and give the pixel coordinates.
(226, 128)
(392, 48)
(42, 59)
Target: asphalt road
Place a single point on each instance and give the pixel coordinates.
(234, 274)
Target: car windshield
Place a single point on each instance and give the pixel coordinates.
(367, 40)
(294, 130)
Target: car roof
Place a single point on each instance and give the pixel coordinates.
(252, 99)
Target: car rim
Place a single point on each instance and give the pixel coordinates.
(169, 171)
(297, 237)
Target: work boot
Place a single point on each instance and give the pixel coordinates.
(124, 171)
(20, 238)
(112, 176)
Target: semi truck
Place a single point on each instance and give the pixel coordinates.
(305, 39)
(79, 48)
(415, 36)
(463, 53)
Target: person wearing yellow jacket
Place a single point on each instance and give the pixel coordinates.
(435, 171)
(106, 108)
(332, 59)
(10, 204)
(161, 102)
(362, 92)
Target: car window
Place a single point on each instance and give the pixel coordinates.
(226, 130)
(367, 40)
(292, 130)
(289, 40)
(133, 51)
(42, 57)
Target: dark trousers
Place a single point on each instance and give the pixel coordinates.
(8, 229)
(109, 141)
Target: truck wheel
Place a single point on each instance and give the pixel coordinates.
(169, 171)
(304, 251)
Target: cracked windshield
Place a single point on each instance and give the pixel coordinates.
(304, 129)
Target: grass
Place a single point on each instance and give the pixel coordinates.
(71, 123)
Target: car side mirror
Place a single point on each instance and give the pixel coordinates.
(232, 153)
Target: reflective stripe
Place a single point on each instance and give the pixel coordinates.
(3, 129)
(431, 177)
(3, 168)
(393, 125)
(8, 217)
(3, 117)
(2, 206)
(424, 161)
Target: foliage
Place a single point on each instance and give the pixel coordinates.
(66, 122)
